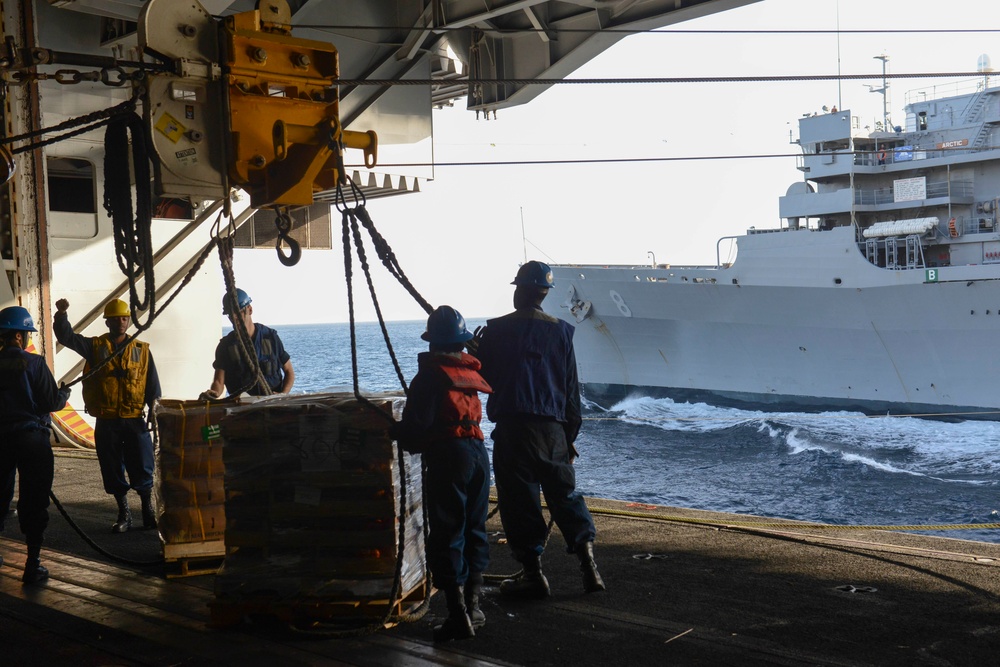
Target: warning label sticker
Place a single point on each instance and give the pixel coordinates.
(188, 156)
(170, 127)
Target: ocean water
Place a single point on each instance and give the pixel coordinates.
(838, 467)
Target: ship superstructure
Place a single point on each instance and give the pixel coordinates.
(879, 293)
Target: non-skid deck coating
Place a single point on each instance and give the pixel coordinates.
(678, 594)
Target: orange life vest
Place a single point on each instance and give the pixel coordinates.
(461, 411)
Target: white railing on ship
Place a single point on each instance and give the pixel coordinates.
(952, 89)
(934, 190)
(965, 226)
(871, 158)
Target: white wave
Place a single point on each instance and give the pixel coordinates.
(664, 413)
(799, 442)
(937, 443)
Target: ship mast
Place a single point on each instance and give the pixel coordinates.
(884, 90)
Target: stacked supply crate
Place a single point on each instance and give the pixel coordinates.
(190, 496)
(314, 506)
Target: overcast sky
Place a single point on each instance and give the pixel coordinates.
(460, 241)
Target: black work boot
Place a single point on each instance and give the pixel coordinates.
(457, 625)
(531, 585)
(124, 521)
(33, 570)
(473, 589)
(592, 581)
(148, 515)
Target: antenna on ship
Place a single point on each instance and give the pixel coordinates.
(840, 96)
(884, 90)
(524, 241)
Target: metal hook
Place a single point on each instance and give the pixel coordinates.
(294, 250)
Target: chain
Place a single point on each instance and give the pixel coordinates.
(109, 76)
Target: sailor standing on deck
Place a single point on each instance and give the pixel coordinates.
(116, 394)
(441, 422)
(28, 393)
(528, 359)
(233, 373)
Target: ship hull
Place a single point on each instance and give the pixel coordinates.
(800, 321)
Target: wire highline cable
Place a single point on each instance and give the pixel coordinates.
(790, 78)
(663, 31)
(679, 158)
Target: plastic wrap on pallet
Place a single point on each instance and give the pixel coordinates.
(313, 502)
(189, 483)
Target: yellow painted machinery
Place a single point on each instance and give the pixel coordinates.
(246, 105)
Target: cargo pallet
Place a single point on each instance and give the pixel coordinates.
(304, 613)
(193, 559)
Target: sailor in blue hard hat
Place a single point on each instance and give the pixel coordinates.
(242, 301)
(28, 393)
(441, 422)
(274, 373)
(446, 326)
(529, 360)
(534, 274)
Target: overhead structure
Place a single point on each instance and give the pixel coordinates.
(69, 66)
(484, 52)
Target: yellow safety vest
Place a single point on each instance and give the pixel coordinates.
(119, 388)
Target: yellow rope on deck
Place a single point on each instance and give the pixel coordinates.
(778, 524)
(791, 524)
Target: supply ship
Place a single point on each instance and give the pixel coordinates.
(879, 291)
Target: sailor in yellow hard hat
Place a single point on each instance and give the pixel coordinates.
(116, 393)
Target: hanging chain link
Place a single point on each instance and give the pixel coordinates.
(109, 76)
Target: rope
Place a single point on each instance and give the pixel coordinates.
(188, 277)
(132, 232)
(248, 355)
(363, 260)
(388, 257)
(95, 545)
(783, 524)
(351, 232)
(91, 120)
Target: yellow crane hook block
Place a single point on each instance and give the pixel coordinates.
(285, 136)
(278, 135)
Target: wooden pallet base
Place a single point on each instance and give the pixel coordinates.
(307, 613)
(193, 559)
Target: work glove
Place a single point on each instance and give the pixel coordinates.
(150, 421)
(472, 345)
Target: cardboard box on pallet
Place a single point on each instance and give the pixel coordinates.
(189, 487)
(314, 505)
